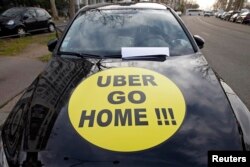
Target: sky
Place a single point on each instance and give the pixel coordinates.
(205, 4)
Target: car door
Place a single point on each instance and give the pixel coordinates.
(29, 20)
(42, 19)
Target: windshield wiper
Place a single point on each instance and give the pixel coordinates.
(159, 57)
(81, 55)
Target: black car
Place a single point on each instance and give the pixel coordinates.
(127, 86)
(22, 20)
(244, 18)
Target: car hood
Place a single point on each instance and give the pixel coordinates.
(4, 19)
(40, 131)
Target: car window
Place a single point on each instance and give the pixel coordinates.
(105, 32)
(40, 13)
(12, 12)
(244, 14)
(30, 13)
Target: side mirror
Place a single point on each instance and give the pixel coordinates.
(200, 41)
(52, 44)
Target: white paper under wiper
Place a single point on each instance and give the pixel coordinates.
(144, 52)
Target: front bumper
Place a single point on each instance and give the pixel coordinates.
(7, 30)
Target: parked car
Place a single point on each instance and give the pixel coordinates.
(219, 13)
(228, 15)
(244, 10)
(223, 15)
(22, 20)
(207, 13)
(234, 17)
(244, 18)
(127, 85)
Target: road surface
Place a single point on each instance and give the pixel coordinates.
(17, 73)
(227, 49)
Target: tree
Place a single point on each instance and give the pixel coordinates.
(247, 6)
(54, 9)
(191, 4)
(229, 5)
(195, 6)
(71, 8)
(220, 4)
(238, 4)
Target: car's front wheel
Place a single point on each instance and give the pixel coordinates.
(51, 27)
(21, 32)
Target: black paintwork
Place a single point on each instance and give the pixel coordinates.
(38, 130)
(30, 24)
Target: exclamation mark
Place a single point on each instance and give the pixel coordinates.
(164, 112)
(158, 115)
(172, 116)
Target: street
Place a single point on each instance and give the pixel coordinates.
(227, 50)
(17, 73)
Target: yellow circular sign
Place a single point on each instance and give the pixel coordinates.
(126, 109)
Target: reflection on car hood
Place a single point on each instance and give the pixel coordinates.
(39, 131)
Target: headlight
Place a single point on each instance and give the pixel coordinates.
(11, 22)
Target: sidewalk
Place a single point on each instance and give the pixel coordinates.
(4, 112)
(16, 74)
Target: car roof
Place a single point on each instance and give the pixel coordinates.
(25, 8)
(143, 5)
(126, 5)
(245, 13)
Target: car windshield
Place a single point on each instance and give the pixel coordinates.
(12, 12)
(105, 32)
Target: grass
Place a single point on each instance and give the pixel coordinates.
(13, 46)
(45, 58)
